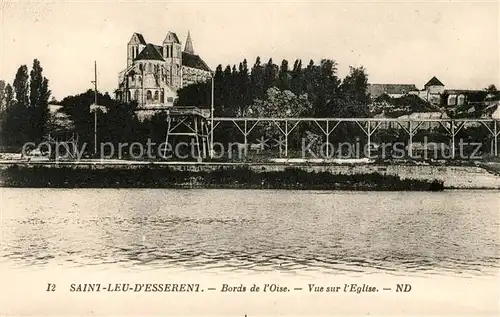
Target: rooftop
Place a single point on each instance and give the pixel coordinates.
(149, 53)
(434, 82)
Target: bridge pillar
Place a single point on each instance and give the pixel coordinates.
(495, 137)
(452, 139)
(410, 141)
(192, 121)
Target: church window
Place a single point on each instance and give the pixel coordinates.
(156, 95)
(136, 95)
(460, 100)
(149, 95)
(452, 100)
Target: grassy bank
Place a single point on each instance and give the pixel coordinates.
(235, 177)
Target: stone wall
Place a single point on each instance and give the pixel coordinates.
(453, 177)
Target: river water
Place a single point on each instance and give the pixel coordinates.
(447, 233)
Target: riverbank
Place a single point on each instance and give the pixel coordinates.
(241, 176)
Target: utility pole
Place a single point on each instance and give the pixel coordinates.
(95, 111)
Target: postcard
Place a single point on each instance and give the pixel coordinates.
(249, 158)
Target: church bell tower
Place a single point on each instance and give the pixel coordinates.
(172, 55)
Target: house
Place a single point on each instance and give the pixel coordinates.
(392, 90)
(434, 86)
(432, 91)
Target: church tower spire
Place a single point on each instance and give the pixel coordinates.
(189, 45)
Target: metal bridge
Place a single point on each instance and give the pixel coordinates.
(202, 125)
(367, 125)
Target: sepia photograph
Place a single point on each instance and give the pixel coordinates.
(249, 158)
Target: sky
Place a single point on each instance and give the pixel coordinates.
(405, 42)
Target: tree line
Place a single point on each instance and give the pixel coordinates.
(262, 90)
(238, 89)
(24, 106)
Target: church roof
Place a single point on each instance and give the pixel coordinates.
(159, 48)
(141, 38)
(194, 61)
(434, 82)
(172, 36)
(149, 53)
(189, 45)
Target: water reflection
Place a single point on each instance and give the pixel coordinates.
(395, 232)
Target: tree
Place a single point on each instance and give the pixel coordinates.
(120, 122)
(322, 86)
(270, 74)
(218, 90)
(257, 80)
(284, 76)
(297, 84)
(21, 85)
(355, 86)
(491, 88)
(39, 102)
(77, 108)
(9, 95)
(280, 103)
(244, 87)
(277, 103)
(227, 89)
(19, 122)
(13, 130)
(116, 125)
(36, 81)
(353, 98)
(2, 95)
(198, 94)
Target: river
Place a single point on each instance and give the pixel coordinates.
(450, 235)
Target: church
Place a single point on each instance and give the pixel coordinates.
(154, 73)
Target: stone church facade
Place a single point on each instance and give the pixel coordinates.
(154, 73)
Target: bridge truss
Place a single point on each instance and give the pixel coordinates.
(367, 125)
(189, 122)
